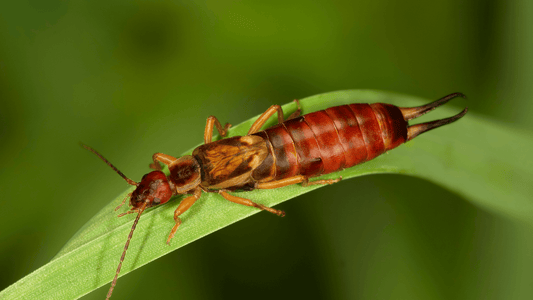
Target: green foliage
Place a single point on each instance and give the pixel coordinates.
(475, 158)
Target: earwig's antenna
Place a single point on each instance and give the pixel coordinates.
(140, 211)
(109, 164)
(410, 113)
(143, 207)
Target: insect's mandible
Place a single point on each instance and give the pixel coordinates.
(288, 153)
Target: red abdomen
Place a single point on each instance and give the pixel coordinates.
(329, 140)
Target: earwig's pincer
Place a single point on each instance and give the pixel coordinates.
(288, 153)
(410, 113)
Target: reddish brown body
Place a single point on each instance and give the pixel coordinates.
(330, 140)
(310, 145)
(288, 153)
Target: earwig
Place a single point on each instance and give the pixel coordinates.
(288, 153)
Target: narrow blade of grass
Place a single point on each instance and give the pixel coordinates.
(481, 160)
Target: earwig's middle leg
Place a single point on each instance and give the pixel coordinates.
(212, 122)
(249, 202)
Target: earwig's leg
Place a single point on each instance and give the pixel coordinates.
(269, 112)
(160, 157)
(249, 202)
(155, 166)
(293, 180)
(183, 207)
(123, 201)
(256, 126)
(280, 183)
(321, 181)
(212, 121)
(297, 113)
(128, 212)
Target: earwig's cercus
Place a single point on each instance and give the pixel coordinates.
(290, 152)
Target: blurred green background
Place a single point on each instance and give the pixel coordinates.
(131, 78)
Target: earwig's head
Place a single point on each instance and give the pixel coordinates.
(185, 174)
(154, 188)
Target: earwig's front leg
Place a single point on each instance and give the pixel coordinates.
(212, 121)
(160, 157)
(123, 201)
(183, 207)
(249, 202)
(133, 211)
(293, 180)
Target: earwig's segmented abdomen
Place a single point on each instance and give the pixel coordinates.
(330, 140)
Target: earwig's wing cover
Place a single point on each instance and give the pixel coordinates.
(471, 157)
(229, 162)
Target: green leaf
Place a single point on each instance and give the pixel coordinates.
(485, 162)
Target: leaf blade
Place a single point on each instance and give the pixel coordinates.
(468, 157)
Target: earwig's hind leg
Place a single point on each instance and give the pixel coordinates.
(256, 126)
(161, 157)
(249, 202)
(183, 207)
(269, 112)
(321, 181)
(298, 111)
(280, 183)
(212, 122)
(294, 180)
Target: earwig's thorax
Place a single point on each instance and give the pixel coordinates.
(185, 174)
(154, 188)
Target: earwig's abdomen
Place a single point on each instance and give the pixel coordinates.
(330, 140)
(331, 150)
(350, 135)
(369, 126)
(392, 123)
(284, 151)
(306, 144)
